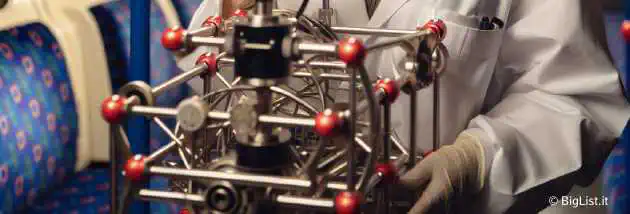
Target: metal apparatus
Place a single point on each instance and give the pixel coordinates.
(244, 147)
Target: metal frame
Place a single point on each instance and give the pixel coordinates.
(374, 102)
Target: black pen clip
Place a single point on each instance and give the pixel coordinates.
(498, 22)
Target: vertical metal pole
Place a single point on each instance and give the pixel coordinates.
(412, 129)
(350, 144)
(387, 153)
(138, 128)
(436, 113)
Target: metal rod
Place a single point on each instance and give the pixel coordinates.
(327, 76)
(286, 121)
(398, 40)
(372, 31)
(331, 159)
(350, 146)
(363, 145)
(179, 79)
(180, 144)
(301, 63)
(412, 128)
(161, 152)
(204, 31)
(207, 41)
(316, 48)
(153, 111)
(154, 195)
(398, 145)
(387, 133)
(300, 202)
(241, 179)
(386, 154)
(436, 113)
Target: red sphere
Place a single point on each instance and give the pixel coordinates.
(437, 26)
(114, 109)
(184, 211)
(328, 123)
(388, 172)
(213, 20)
(240, 13)
(625, 30)
(351, 51)
(390, 87)
(173, 38)
(348, 203)
(135, 168)
(210, 59)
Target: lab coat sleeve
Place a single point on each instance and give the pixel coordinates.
(561, 106)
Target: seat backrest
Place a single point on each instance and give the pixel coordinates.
(49, 55)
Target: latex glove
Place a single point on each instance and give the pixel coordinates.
(451, 171)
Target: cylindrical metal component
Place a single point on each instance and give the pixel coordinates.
(350, 146)
(241, 179)
(313, 203)
(436, 114)
(207, 41)
(191, 114)
(286, 121)
(387, 132)
(153, 111)
(154, 195)
(372, 31)
(317, 48)
(324, 76)
(413, 99)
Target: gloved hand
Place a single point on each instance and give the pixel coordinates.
(451, 171)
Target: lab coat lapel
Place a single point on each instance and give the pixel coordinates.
(385, 10)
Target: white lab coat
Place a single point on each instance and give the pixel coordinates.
(541, 93)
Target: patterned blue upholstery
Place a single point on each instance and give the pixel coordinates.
(114, 23)
(38, 116)
(84, 193)
(615, 178)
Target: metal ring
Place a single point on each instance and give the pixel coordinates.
(140, 89)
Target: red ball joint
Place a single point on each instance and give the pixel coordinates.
(351, 51)
(213, 20)
(114, 109)
(625, 30)
(240, 13)
(210, 60)
(388, 173)
(437, 26)
(348, 203)
(390, 87)
(173, 38)
(328, 123)
(135, 168)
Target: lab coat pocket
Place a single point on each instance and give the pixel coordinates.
(473, 52)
